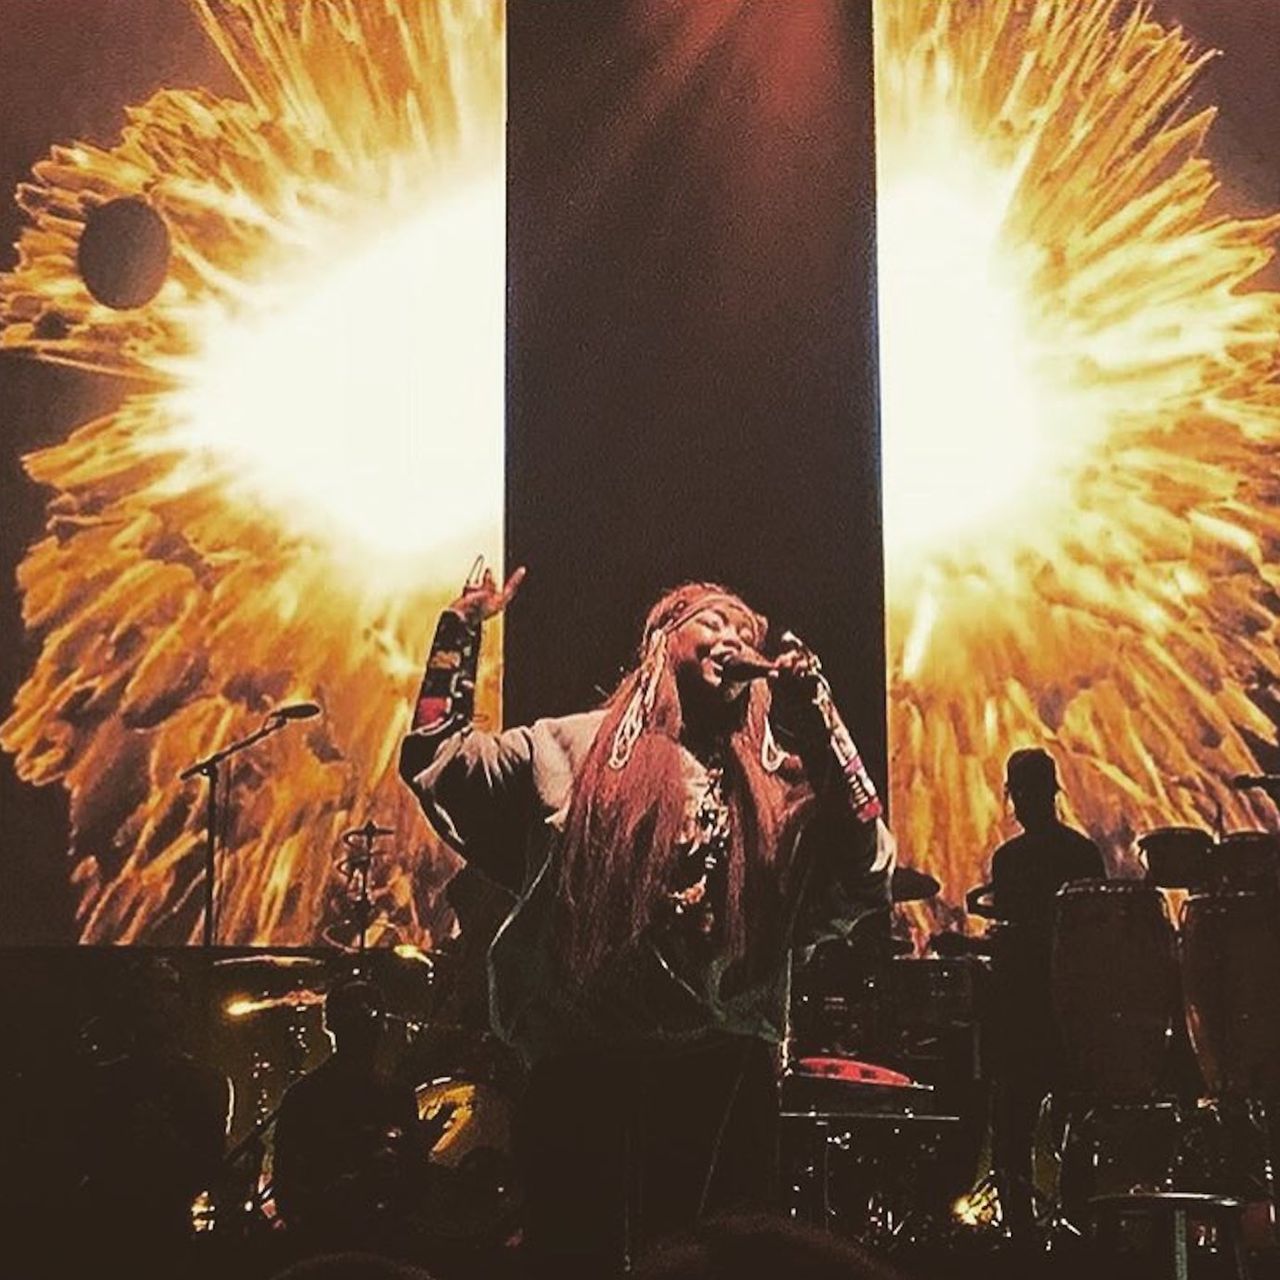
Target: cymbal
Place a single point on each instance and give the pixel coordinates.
(950, 944)
(267, 977)
(910, 885)
(244, 1006)
(269, 962)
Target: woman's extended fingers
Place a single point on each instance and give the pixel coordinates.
(481, 598)
(475, 575)
(513, 585)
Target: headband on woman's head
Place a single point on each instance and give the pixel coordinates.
(668, 616)
(678, 612)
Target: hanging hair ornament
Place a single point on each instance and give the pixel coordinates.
(771, 755)
(631, 726)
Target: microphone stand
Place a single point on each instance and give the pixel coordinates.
(208, 767)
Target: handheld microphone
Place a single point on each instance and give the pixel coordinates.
(740, 670)
(1244, 781)
(296, 711)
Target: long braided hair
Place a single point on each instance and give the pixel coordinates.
(628, 810)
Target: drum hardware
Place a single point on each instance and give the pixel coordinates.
(861, 1150)
(875, 1143)
(909, 885)
(244, 1182)
(933, 991)
(1115, 1147)
(272, 962)
(354, 868)
(273, 1029)
(1269, 783)
(1168, 1234)
(980, 902)
(459, 1167)
(916, 1015)
(855, 1138)
(1116, 965)
(950, 945)
(242, 1007)
(1227, 1148)
(1162, 1146)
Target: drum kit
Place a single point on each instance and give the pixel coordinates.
(878, 1117)
(464, 1082)
(1164, 991)
(1165, 994)
(1167, 1001)
(272, 1033)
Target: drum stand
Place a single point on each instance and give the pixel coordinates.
(354, 868)
(1108, 1136)
(1233, 1154)
(1252, 1173)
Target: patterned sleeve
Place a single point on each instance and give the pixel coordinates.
(474, 787)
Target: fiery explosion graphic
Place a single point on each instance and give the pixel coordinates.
(1080, 413)
(1080, 409)
(311, 458)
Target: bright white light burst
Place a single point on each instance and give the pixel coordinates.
(1080, 416)
(942, 290)
(356, 399)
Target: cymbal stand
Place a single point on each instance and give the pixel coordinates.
(354, 869)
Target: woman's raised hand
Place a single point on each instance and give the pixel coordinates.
(481, 596)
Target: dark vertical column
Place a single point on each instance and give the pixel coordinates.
(691, 361)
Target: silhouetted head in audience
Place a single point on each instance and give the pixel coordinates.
(742, 1247)
(353, 1018)
(351, 1266)
(1031, 783)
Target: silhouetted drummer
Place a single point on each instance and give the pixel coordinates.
(1026, 874)
(1027, 871)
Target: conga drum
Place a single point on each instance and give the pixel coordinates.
(1247, 860)
(1231, 987)
(1114, 977)
(1178, 857)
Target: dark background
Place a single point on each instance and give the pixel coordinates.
(691, 365)
(749, 153)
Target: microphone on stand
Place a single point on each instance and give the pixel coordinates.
(296, 711)
(274, 721)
